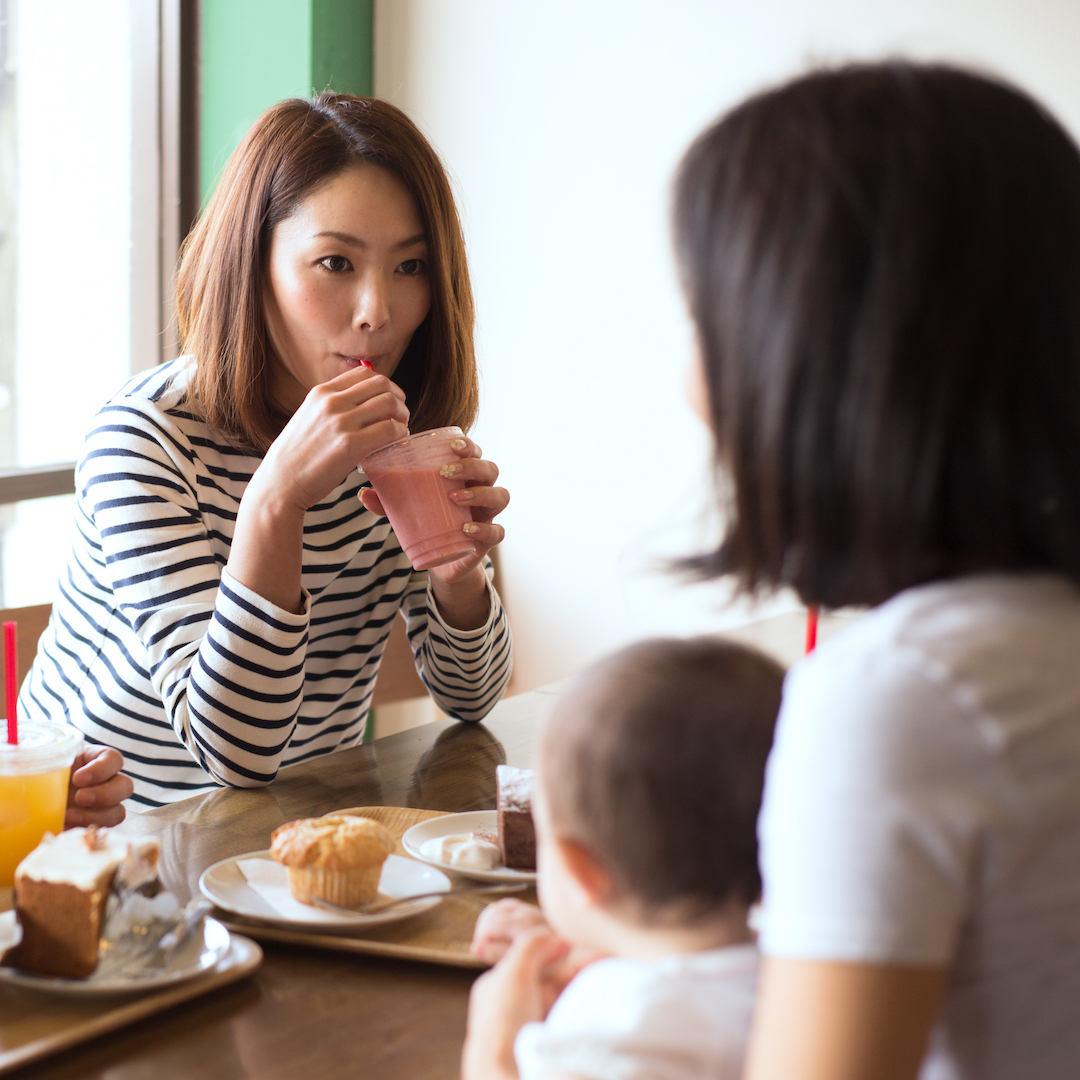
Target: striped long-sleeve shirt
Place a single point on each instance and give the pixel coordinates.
(156, 650)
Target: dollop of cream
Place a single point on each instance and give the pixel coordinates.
(466, 850)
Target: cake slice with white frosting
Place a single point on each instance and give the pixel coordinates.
(61, 889)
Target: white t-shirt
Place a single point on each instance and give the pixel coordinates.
(678, 1018)
(922, 806)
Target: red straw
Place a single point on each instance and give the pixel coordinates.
(811, 629)
(11, 679)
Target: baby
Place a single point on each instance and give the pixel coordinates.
(650, 771)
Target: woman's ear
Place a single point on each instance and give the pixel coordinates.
(591, 876)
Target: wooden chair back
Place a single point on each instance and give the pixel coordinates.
(32, 622)
(397, 673)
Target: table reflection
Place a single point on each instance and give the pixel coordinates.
(458, 772)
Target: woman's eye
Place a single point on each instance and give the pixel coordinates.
(336, 264)
(412, 267)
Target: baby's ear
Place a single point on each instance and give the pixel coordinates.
(590, 874)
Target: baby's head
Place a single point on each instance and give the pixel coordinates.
(651, 767)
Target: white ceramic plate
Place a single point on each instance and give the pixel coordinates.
(475, 821)
(198, 955)
(226, 884)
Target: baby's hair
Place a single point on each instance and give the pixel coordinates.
(654, 761)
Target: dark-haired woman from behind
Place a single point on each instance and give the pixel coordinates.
(233, 581)
(883, 266)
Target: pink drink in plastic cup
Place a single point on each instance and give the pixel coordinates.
(416, 498)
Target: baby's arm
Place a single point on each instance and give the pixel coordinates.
(505, 999)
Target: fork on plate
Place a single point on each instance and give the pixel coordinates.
(379, 905)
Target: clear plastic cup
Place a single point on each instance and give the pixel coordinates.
(405, 475)
(34, 775)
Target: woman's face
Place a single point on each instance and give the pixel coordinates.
(348, 281)
(697, 392)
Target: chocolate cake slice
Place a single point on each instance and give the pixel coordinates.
(517, 836)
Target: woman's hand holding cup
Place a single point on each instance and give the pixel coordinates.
(460, 585)
(477, 492)
(338, 424)
(97, 788)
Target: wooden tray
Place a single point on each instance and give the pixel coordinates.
(34, 1024)
(440, 936)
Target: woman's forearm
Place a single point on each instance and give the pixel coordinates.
(466, 604)
(336, 425)
(236, 701)
(268, 545)
(824, 1020)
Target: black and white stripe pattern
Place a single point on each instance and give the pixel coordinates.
(155, 649)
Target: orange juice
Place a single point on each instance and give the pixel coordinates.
(33, 789)
(30, 805)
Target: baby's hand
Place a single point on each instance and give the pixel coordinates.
(500, 924)
(97, 788)
(504, 999)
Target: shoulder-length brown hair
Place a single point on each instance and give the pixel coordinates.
(292, 148)
(883, 266)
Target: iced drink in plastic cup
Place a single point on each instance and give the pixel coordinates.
(34, 776)
(416, 498)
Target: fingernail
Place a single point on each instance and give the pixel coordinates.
(470, 527)
(458, 444)
(449, 470)
(465, 495)
(84, 797)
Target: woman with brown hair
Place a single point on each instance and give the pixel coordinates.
(233, 581)
(882, 264)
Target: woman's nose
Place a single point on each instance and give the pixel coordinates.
(372, 310)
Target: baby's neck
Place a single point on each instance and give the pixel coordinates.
(651, 940)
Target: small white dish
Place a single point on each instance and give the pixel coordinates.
(260, 890)
(485, 821)
(198, 955)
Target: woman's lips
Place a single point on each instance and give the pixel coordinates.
(360, 361)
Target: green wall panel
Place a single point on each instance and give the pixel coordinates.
(343, 46)
(256, 52)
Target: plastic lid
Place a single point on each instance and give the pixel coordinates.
(41, 747)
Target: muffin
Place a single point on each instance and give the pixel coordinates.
(332, 858)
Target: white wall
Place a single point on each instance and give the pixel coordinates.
(562, 123)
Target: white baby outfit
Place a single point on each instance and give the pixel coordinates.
(678, 1018)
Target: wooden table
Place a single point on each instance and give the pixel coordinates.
(314, 1014)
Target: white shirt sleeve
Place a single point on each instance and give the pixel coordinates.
(875, 800)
